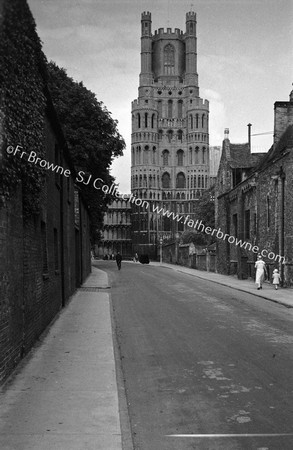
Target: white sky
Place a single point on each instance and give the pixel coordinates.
(245, 57)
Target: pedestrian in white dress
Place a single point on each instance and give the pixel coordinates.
(261, 270)
(276, 278)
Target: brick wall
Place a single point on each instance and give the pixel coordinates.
(40, 255)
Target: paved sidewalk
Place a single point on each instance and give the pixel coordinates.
(282, 296)
(64, 396)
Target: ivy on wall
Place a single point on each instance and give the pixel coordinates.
(22, 102)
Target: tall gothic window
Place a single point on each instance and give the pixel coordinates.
(160, 108)
(169, 60)
(180, 157)
(180, 109)
(166, 181)
(180, 181)
(170, 109)
(165, 158)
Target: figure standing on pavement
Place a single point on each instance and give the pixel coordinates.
(118, 260)
(276, 278)
(261, 270)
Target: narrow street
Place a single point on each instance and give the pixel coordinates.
(201, 359)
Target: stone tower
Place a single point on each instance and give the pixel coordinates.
(170, 133)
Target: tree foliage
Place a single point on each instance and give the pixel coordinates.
(206, 208)
(22, 103)
(205, 212)
(92, 136)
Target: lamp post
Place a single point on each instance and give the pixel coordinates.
(177, 236)
(161, 251)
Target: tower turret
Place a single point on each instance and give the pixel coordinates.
(146, 49)
(191, 77)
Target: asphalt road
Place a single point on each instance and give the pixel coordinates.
(202, 360)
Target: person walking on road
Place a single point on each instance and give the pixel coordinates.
(118, 260)
(276, 278)
(261, 270)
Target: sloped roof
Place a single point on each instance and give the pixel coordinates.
(285, 142)
(240, 157)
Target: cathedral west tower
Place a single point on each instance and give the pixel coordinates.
(170, 134)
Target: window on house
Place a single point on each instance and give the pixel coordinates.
(254, 223)
(235, 224)
(56, 252)
(268, 213)
(57, 162)
(44, 248)
(247, 224)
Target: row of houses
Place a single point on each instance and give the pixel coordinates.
(254, 202)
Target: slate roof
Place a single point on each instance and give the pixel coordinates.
(240, 157)
(285, 142)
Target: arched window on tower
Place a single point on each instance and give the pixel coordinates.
(179, 135)
(160, 135)
(133, 156)
(153, 120)
(170, 135)
(166, 181)
(138, 120)
(146, 120)
(165, 158)
(154, 156)
(169, 60)
(146, 155)
(180, 154)
(203, 121)
(160, 108)
(180, 103)
(180, 181)
(196, 121)
(196, 155)
(191, 121)
(170, 109)
(190, 155)
(203, 155)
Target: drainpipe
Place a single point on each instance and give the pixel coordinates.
(282, 224)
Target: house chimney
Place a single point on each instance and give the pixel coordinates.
(249, 136)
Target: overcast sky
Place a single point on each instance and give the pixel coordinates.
(245, 57)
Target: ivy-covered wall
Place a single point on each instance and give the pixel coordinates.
(22, 101)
